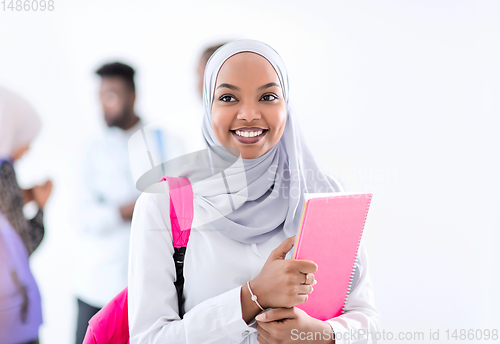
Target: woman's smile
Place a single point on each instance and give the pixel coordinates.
(249, 135)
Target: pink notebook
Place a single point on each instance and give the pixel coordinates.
(329, 234)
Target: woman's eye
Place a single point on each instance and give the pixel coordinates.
(227, 99)
(269, 97)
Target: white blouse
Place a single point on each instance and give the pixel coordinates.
(215, 268)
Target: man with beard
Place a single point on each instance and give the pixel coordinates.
(108, 198)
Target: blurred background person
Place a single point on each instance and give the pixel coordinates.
(20, 304)
(107, 198)
(202, 62)
(196, 140)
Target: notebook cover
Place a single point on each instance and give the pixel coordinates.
(330, 234)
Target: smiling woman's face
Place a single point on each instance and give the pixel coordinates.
(248, 109)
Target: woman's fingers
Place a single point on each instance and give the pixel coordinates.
(308, 279)
(302, 298)
(265, 336)
(304, 289)
(261, 339)
(281, 251)
(305, 266)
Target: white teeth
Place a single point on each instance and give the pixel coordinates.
(248, 133)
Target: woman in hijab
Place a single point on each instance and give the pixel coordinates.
(19, 124)
(244, 226)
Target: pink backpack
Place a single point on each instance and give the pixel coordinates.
(110, 324)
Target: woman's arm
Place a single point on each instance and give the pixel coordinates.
(360, 315)
(153, 309)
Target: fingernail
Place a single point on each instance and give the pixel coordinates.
(260, 317)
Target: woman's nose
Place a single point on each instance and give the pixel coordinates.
(249, 113)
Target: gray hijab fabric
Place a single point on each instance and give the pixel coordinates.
(261, 196)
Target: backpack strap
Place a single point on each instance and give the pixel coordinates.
(181, 219)
(110, 324)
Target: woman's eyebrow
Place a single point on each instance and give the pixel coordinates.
(271, 84)
(231, 87)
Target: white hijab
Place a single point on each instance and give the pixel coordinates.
(265, 194)
(19, 123)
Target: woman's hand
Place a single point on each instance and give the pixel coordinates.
(127, 210)
(41, 193)
(27, 195)
(284, 283)
(291, 325)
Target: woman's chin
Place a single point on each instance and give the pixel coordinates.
(253, 153)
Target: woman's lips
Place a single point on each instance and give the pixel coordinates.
(249, 140)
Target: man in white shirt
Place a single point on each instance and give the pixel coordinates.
(108, 196)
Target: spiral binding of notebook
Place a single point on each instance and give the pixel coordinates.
(357, 252)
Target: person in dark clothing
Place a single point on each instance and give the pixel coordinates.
(105, 218)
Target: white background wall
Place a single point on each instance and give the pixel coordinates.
(400, 98)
